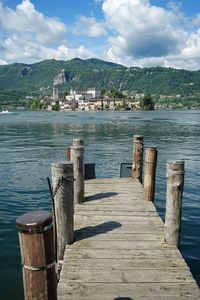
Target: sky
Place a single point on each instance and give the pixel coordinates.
(142, 33)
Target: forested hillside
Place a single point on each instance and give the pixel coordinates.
(19, 80)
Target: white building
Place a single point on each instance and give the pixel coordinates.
(84, 93)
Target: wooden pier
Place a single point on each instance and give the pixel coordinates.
(119, 250)
(105, 235)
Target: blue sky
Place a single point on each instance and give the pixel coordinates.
(140, 33)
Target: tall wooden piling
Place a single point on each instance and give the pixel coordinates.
(37, 254)
(150, 173)
(78, 142)
(63, 195)
(137, 157)
(68, 152)
(175, 184)
(78, 161)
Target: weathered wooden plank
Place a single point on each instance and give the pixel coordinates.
(113, 180)
(91, 210)
(100, 230)
(128, 245)
(118, 186)
(118, 218)
(107, 196)
(86, 234)
(134, 276)
(115, 192)
(85, 253)
(123, 202)
(119, 250)
(102, 199)
(102, 264)
(116, 227)
(119, 297)
(132, 290)
(118, 207)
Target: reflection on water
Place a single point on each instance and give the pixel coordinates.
(31, 141)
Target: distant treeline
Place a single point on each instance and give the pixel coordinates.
(20, 80)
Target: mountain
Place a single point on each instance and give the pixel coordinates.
(19, 80)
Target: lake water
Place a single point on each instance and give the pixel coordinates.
(30, 141)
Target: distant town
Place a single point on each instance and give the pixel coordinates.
(86, 99)
(90, 99)
(96, 85)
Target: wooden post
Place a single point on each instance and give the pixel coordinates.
(78, 160)
(150, 173)
(37, 254)
(68, 152)
(175, 184)
(137, 157)
(63, 195)
(78, 142)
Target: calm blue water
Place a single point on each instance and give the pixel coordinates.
(29, 142)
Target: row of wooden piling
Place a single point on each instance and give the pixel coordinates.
(43, 236)
(175, 183)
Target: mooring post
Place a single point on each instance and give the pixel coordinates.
(137, 157)
(150, 173)
(63, 195)
(37, 254)
(175, 184)
(78, 142)
(78, 161)
(68, 152)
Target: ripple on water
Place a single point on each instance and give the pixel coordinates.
(30, 141)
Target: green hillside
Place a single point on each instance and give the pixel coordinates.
(19, 80)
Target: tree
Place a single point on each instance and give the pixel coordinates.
(115, 94)
(147, 102)
(35, 105)
(56, 107)
(102, 93)
(38, 104)
(66, 93)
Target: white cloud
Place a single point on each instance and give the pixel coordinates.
(143, 30)
(62, 52)
(147, 35)
(28, 23)
(28, 35)
(3, 62)
(88, 26)
(131, 32)
(192, 49)
(41, 52)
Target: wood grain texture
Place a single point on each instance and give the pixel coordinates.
(77, 157)
(150, 173)
(63, 190)
(119, 250)
(37, 255)
(175, 183)
(138, 148)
